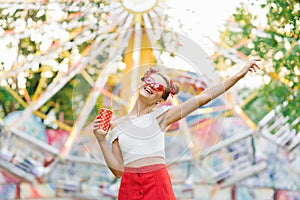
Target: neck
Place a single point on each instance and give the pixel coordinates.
(140, 109)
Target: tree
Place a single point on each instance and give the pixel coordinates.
(42, 40)
(276, 42)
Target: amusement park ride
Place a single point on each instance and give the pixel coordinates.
(110, 44)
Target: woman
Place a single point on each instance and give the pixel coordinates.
(137, 154)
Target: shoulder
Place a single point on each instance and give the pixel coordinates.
(114, 131)
(115, 122)
(162, 109)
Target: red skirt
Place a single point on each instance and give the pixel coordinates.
(148, 183)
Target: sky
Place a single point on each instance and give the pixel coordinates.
(205, 19)
(202, 21)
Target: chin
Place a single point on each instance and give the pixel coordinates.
(145, 95)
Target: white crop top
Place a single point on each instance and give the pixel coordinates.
(140, 137)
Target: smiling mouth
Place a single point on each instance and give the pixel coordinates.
(148, 90)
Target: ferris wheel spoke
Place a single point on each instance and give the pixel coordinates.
(26, 66)
(110, 95)
(86, 110)
(127, 23)
(150, 34)
(49, 54)
(161, 20)
(29, 30)
(93, 95)
(125, 32)
(154, 19)
(56, 85)
(117, 11)
(121, 20)
(136, 55)
(38, 59)
(157, 26)
(158, 9)
(124, 38)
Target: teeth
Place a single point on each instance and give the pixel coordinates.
(148, 90)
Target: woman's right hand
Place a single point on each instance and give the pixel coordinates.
(100, 135)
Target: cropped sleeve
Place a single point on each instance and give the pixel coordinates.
(113, 134)
(160, 111)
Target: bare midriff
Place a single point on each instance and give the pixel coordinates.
(146, 161)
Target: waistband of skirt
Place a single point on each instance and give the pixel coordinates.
(145, 169)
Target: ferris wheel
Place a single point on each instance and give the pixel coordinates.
(96, 50)
(58, 41)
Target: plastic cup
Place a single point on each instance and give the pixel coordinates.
(105, 116)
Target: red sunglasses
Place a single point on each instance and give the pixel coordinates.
(154, 85)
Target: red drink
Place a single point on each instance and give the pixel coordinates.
(105, 116)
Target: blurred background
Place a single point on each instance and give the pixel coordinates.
(62, 60)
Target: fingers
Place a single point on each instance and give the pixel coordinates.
(256, 65)
(253, 66)
(96, 125)
(96, 128)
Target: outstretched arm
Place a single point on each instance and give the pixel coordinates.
(180, 111)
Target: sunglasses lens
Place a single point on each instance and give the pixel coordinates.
(156, 86)
(148, 80)
(159, 87)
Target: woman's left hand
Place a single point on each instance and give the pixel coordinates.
(251, 66)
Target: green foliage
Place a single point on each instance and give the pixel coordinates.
(277, 44)
(270, 95)
(8, 103)
(26, 46)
